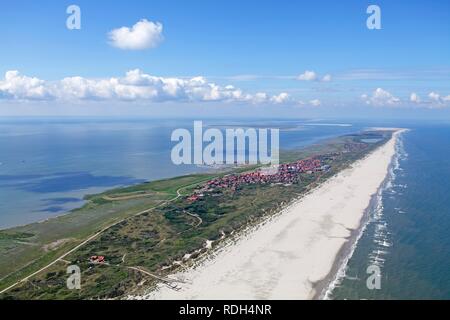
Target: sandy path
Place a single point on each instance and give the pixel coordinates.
(284, 258)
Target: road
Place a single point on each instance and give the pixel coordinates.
(178, 192)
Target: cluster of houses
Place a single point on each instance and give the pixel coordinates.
(97, 260)
(287, 174)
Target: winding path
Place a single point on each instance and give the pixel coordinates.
(178, 192)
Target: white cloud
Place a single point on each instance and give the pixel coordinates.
(414, 97)
(17, 86)
(281, 98)
(313, 76)
(326, 78)
(438, 100)
(381, 97)
(434, 96)
(134, 86)
(315, 102)
(143, 35)
(307, 76)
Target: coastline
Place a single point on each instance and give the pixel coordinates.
(293, 256)
(324, 288)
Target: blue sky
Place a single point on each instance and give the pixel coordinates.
(258, 47)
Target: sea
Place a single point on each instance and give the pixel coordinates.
(48, 165)
(404, 250)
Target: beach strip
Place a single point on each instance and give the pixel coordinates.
(295, 253)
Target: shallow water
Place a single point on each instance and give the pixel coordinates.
(47, 166)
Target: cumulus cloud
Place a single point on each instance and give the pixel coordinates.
(437, 99)
(434, 96)
(307, 76)
(17, 86)
(315, 102)
(414, 97)
(134, 86)
(313, 76)
(381, 97)
(143, 35)
(281, 98)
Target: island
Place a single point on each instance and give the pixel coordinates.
(247, 232)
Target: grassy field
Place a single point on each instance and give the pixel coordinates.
(152, 229)
(29, 247)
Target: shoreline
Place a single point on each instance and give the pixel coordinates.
(325, 287)
(226, 276)
(84, 199)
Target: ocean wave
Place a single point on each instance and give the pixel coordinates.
(381, 237)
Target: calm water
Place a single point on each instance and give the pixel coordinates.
(408, 236)
(48, 165)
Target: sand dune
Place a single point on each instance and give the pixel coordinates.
(287, 256)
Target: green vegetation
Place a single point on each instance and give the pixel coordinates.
(15, 235)
(151, 226)
(31, 247)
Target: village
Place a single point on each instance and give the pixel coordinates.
(287, 174)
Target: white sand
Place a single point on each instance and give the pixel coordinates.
(283, 258)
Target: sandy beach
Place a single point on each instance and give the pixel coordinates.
(292, 255)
